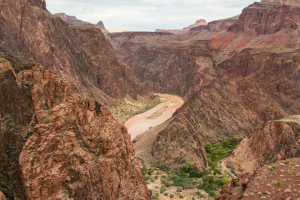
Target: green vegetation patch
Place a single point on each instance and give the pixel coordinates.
(217, 151)
(158, 113)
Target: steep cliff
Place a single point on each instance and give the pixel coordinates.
(259, 75)
(284, 2)
(55, 145)
(164, 63)
(273, 141)
(78, 54)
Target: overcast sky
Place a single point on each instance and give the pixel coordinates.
(148, 15)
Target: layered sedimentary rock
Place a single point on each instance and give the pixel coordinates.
(56, 145)
(209, 30)
(273, 141)
(164, 63)
(285, 2)
(71, 19)
(259, 75)
(74, 21)
(78, 54)
(200, 22)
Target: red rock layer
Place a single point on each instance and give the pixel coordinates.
(78, 54)
(277, 140)
(69, 148)
(285, 2)
(261, 83)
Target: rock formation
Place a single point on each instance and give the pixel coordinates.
(56, 145)
(259, 82)
(200, 22)
(276, 181)
(273, 141)
(71, 19)
(168, 63)
(284, 2)
(38, 3)
(78, 54)
(74, 21)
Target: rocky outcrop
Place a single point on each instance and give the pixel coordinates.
(164, 63)
(266, 19)
(74, 21)
(209, 30)
(276, 181)
(55, 145)
(215, 113)
(273, 141)
(71, 19)
(284, 2)
(200, 22)
(78, 54)
(38, 3)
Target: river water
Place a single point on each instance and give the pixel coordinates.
(139, 123)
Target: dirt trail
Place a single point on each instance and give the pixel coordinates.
(139, 123)
(223, 167)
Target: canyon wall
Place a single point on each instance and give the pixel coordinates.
(78, 54)
(259, 82)
(56, 145)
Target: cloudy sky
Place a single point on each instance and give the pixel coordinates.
(148, 15)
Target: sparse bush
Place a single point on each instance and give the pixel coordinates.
(212, 193)
(180, 196)
(166, 194)
(163, 189)
(150, 171)
(46, 120)
(171, 195)
(287, 162)
(278, 183)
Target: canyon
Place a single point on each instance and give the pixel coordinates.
(63, 83)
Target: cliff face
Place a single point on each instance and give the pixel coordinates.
(285, 2)
(273, 141)
(56, 145)
(164, 63)
(78, 54)
(266, 19)
(259, 77)
(38, 3)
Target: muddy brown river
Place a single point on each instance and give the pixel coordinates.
(139, 123)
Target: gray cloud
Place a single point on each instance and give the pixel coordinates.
(148, 15)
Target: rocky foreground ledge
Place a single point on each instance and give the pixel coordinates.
(59, 146)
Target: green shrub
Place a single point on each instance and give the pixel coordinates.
(180, 196)
(179, 180)
(163, 189)
(147, 182)
(287, 162)
(46, 120)
(167, 184)
(206, 189)
(278, 183)
(166, 194)
(150, 171)
(4, 60)
(163, 176)
(212, 193)
(144, 170)
(171, 195)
